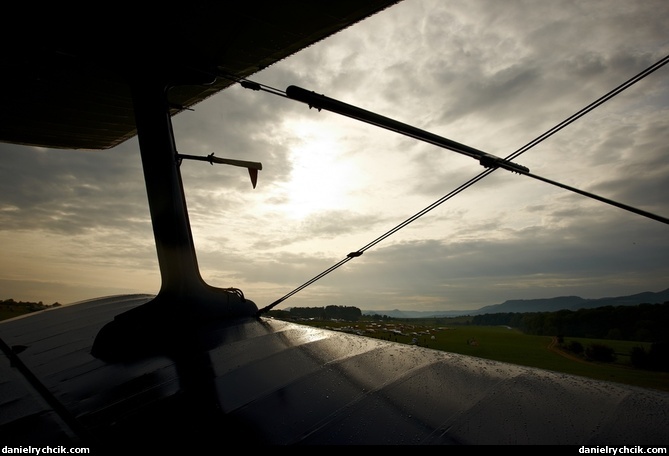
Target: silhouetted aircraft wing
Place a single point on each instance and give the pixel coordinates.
(267, 381)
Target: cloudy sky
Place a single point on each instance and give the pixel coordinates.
(494, 75)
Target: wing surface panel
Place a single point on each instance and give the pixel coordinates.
(276, 382)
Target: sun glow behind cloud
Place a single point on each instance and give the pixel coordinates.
(321, 176)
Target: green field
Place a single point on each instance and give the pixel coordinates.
(511, 346)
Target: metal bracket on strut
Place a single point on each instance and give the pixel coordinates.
(253, 167)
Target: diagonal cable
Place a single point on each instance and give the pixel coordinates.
(488, 171)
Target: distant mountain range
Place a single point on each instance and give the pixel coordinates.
(535, 305)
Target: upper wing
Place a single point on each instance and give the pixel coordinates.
(64, 68)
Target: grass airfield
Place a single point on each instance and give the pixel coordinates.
(501, 343)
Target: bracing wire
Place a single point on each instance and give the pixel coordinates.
(633, 80)
(483, 174)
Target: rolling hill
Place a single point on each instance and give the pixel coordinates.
(535, 305)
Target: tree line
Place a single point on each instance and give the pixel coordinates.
(346, 313)
(643, 322)
(10, 308)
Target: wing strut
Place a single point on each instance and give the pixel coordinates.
(319, 102)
